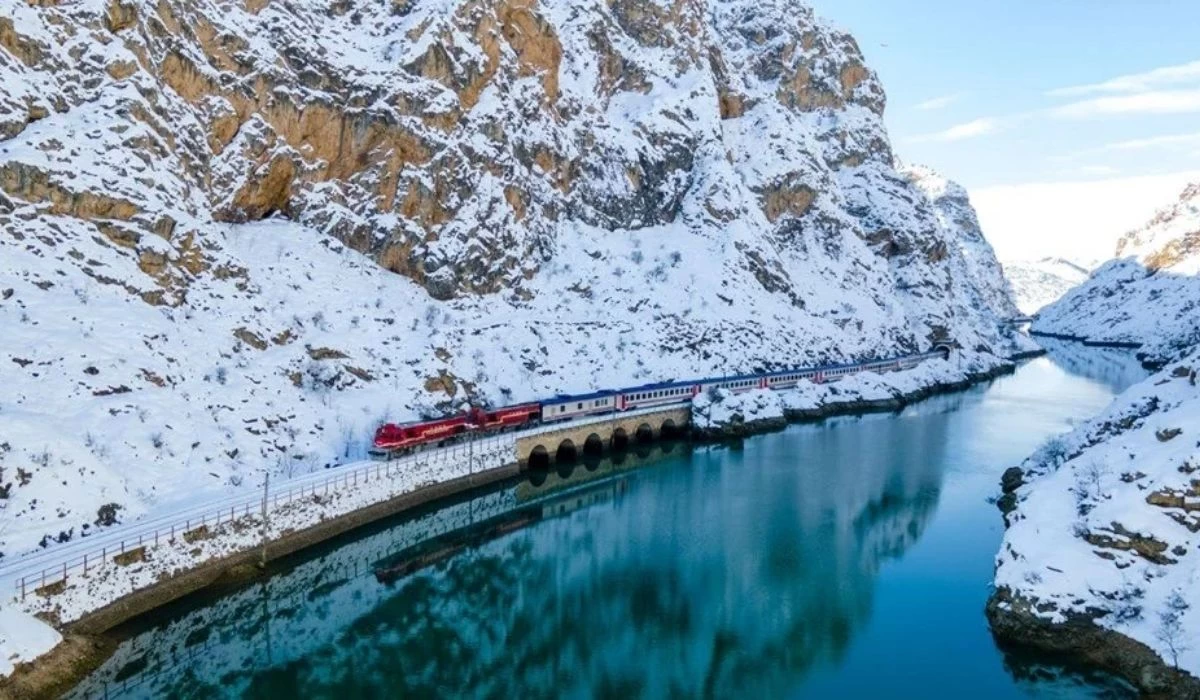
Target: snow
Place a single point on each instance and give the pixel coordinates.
(1039, 283)
(23, 638)
(1096, 482)
(146, 388)
(1149, 294)
(720, 408)
(156, 355)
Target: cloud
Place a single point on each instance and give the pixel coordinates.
(1153, 142)
(961, 132)
(1158, 102)
(938, 102)
(1075, 219)
(1167, 76)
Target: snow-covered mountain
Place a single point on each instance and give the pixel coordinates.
(1038, 283)
(1148, 294)
(237, 235)
(975, 261)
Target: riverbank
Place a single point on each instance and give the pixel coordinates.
(1102, 524)
(85, 645)
(155, 579)
(724, 416)
(819, 532)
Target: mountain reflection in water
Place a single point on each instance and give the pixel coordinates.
(750, 570)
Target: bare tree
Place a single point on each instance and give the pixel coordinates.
(1170, 632)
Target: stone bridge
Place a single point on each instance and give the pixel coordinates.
(596, 437)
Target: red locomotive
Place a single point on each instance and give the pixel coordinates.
(391, 439)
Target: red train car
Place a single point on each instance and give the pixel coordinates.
(508, 418)
(396, 438)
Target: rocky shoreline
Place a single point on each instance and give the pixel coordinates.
(1094, 563)
(1013, 622)
(739, 426)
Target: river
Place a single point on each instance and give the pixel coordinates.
(849, 558)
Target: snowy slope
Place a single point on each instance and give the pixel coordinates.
(976, 261)
(1039, 283)
(1106, 526)
(1149, 294)
(23, 638)
(236, 236)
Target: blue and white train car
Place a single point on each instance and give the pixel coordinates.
(563, 407)
(660, 394)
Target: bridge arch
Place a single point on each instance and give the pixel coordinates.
(567, 453)
(539, 458)
(593, 446)
(619, 442)
(644, 434)
(669, 430)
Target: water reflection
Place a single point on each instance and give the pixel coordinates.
(602, 578)
(1116, 368)
(748, 571)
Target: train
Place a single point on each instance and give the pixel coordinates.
(393, 439)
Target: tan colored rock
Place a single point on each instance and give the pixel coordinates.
(787, 200)
(120, 15)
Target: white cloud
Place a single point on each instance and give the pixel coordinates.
(1079, 220)
(960, 132)
(1167, 76)
(1153, 142)
(938, 102)
(1160, 102)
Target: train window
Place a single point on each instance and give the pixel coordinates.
(580, 407)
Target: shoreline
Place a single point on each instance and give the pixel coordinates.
(1152, 365)
(87, 641)
(738, 430)
(1013, 622)
(1018, 620)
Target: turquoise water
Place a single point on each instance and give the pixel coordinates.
(845, 559)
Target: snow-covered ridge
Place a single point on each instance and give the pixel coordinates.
(1149, 294)
(1038, 283)
(238, 236)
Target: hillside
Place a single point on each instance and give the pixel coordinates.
(1148, 294)
(1099, 555)
(1039, 283)
(234, 237)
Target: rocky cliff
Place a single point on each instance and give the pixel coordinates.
(237, 235)
(1149, 294)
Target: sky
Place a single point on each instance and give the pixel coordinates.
(1069, 121)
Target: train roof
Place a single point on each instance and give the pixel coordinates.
(746, 377)
(567, 398)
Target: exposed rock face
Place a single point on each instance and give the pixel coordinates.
(486, 200)
(1149, 294)
(978, 269)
